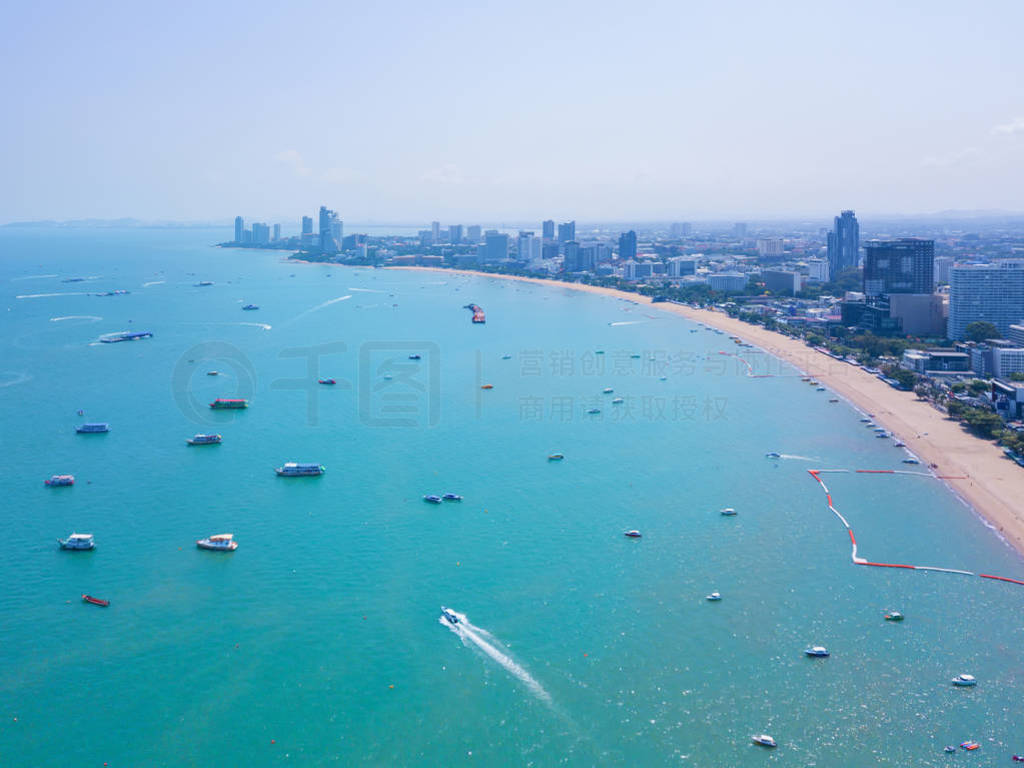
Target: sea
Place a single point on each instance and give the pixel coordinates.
(320, 640)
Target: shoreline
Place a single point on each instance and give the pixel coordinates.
(975, 470)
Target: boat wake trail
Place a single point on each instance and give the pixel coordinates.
(795, 458)
(153, 282)
(264, 326)
(627, 322)
(366, 290)
(32, 277)
(90, 318)
(487, 643)
(48, 295)
(318, 307)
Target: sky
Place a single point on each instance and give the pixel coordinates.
(481, 111)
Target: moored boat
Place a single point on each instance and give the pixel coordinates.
(634, 534)
(816, 650)
(451, 497)
(894, 616)
(56, 481)
(93, 428)
(729, 512)
(221, 542)
(95, 600)
(714, 597)
(77, 541)
(965, 681)
(229, 403)
(329, 382)
(556, 456)
(250, 307)
(201, 439)
(970, 746)
(300, 469)
(764, 740)
(432, 498)
(486, 386)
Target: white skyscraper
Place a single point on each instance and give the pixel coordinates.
(992, 293)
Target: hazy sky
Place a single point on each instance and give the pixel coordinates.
(411, 111)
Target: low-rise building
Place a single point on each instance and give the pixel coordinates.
(930, 361)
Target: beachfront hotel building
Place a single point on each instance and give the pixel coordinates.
(899, 266)
(991, 293)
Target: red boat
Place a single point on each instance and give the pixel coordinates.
(95, 600)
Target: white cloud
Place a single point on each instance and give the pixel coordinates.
(956, 158)
(1014, 126)
(292, 159)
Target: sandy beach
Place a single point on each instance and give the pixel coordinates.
(974, 469)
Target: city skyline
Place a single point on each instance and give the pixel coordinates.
(706, 134)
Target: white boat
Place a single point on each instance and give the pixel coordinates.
(607, 390)
(221, 542)
(965, 681)
(713, 597)
(764, 740)
(816, 650)
(634, 534)
(617, 400)
(296, 469)
(729, 512)
(593, 410)
(92, 429)
(201, 439)
(77, 541)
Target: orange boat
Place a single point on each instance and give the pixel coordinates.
(487, 386)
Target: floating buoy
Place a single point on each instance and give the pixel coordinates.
(273, 741)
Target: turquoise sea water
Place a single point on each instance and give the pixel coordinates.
(318, 642)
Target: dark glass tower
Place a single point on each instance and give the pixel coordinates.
(899, 266)
(843, 244)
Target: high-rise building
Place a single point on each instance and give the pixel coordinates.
(435, 231)
(739, 229)
(992, 293)
(770, 246)
(781, 282)
(495, 248)
(899, 266)
(260, 233)
(277, 232)
(578, 259)
(942, 267)
(627, 245)
(547, 229)
(528, 247)
(239, 228)
(844, 244)
(455, 233)
(307, 225)
(680, 266)
(567, 232)
(681, 229)
(473, 233)
(329, 227)
(549, 251)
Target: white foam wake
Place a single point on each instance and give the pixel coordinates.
(487, 643)
(628, 322)
(91, 318)
(48, 295)
(153, 282)
(264, 326)
(32, 277)
(366, 290)
(321, 306)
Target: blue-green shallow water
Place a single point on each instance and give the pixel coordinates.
(286, 651)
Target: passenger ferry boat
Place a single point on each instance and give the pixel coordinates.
(92, 429)
(221, 542)
(59, 480)
(113, 338)
(298, 469)
(225, 403)
(77, 541)
(204, 439)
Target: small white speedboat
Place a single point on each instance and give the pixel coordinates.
(729, 512)
(607, 390)
(634, 534)
(965, 681)
(816, 650)
(713, 597)
(449, 616)
(764, 740)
